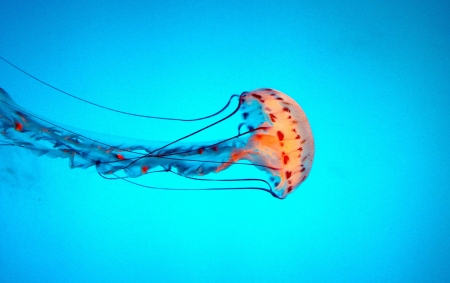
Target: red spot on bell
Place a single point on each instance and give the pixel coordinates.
(272, 117)
(256, 95)
(280, 135)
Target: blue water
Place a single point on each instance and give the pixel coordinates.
(372, 77)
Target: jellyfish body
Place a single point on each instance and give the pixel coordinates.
(278, 141)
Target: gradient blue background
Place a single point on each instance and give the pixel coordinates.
(372, 76)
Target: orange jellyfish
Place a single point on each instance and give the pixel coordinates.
(278, 141)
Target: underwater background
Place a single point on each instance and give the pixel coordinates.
(372, 76)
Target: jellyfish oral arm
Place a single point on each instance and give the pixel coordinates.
(21, 128)
(42, 137)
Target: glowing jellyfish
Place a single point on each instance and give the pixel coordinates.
(278, 141)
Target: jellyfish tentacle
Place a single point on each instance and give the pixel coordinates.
(116, 110)
(268, 189)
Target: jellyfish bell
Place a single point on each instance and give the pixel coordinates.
(283, 142)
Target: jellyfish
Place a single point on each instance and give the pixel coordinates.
(274, 136)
